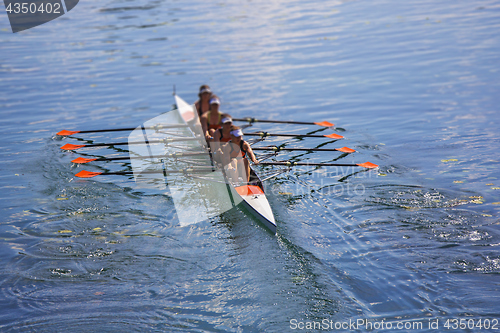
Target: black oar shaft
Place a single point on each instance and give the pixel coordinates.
(307, 164)
(294, 149)
(156, 127)
(253, 120)
(367, 165)
(264, 134)
(90, 174)
(70, 146)
(108, 130)
(187, 170)
(140, 142)
(109, 144)
(155, 156)
(139, 157)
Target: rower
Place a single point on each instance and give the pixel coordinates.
(203, 103)
(221, 137)
(211, 120)
(237, 151)
(224, 134)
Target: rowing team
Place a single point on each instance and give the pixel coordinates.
(225, 139)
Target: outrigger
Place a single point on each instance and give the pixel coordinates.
(250, 193)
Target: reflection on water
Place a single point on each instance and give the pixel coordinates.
(413, 88)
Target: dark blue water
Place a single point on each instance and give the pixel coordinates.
(413, 87)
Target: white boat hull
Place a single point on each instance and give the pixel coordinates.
(256, 202)
(252, 196)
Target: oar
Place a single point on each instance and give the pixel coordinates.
(265, 134)
(82, 160)
(70, 146)
(157, 127)
(367, 165)
(274, 148)
(253, 120)
(90, 174)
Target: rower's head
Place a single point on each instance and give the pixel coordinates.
(236, 134)
(214, 103)
(227, 122)
(205, 92)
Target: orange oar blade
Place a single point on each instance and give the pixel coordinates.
(81, 160)
(66, 133)
(69, 146)
(87, 174)
(333, 136)
(325, 124)
(346, 150)
(368, 165)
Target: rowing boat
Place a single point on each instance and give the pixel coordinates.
(169, 152)
(251, 194)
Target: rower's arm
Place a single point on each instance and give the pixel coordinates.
(217, 136)
(197, 106)
(204, 126)
(251, 154)
(226, 154)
